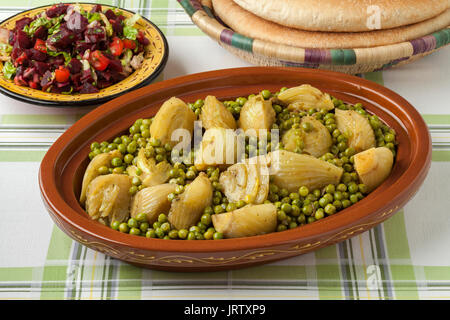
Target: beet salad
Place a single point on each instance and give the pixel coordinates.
(68, 50)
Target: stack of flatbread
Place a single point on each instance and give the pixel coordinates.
(337, 24)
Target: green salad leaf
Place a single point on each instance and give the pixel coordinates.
(5, 49)
(67, 56)
(9, 70)
(129, 31)
(94, 17)
(33, 26)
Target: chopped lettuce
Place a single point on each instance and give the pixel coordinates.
(131, 21)
(9, 70)
(108, 26)
(5, 49)
(33, 26)
(127, 55)
(129, 31)
(94, 17)
(67, 56)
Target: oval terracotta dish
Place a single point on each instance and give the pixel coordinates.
(63, 166)
(154, 63)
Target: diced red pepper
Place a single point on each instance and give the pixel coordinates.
(98, 60)
(62, 74)
(129, 44)
(40, 46)
(33, 84)
(116, 46)
(21, 58)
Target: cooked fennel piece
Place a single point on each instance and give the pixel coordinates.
(100, 160)
(373, 166)
(316, 140)
(291, 170)
(174, 114)
(107, 198)
(152, 201)
(257, 116)
(217, 148)
(187, 209)
(152, 174)
(247, 181)
(356, 128)
(305, 97)
(250, 220)
(215, 115)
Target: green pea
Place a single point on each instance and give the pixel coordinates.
(159, 233)
(353, 187)
(330, 188)
(206, 219)
(266, 94)
(132, 223)
(144, 226)
(173, 234)
(141, 217)
(323, 202)
(307, 209)
(303, 191)
(133, 190)
(295, 211)
(150, 233)
(155, 142)
(165, 227)
(281, 215)
(319, 214)
(116, 162)
(132, 146)
(179, 189)
(162, 218)
(354, 198)
(182, 233)
(118, 170)
(310, 219)
(286, 207)
(123, 227)
(208, 235)
(135, 181)
(128, 158)
(103, 170)
(231, 207)
(171, 196)
(363, 188)
(135, 231)
(301, 219)
(217, 236)
(115, 225)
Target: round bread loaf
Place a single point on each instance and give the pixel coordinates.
(255, 27)
(345, 15)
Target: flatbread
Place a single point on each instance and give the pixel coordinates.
(255, 27)
(345, 15)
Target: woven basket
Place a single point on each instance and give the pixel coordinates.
(352, 61)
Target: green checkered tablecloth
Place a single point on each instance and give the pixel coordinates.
(406, 257)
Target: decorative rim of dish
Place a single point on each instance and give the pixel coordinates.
(418, 167)
(380, 57)
(154, 63)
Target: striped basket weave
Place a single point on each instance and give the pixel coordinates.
(352, 61)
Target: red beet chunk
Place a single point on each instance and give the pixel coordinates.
(76, 22)
(23, 40)
(21, 23)
(56, 10)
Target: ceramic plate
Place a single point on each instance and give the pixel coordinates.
(63, 167)
(154, 63)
